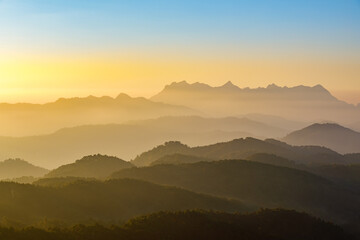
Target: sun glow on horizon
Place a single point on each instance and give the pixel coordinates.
(67, 48)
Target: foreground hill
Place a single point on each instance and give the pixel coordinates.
(245, 148)
(200, 225)
(262, 184)
(302, 103)
(334, 136)
(26, 119)
(110, 201)
(347, 176)
(128, 139)
(17, 168)
(95, 166)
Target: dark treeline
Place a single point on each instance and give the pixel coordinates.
(263, 225)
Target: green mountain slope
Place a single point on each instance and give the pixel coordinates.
(264, 225)
(110, 201)
(243, 148)
(261, 184)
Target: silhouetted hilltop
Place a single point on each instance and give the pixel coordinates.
(155, 154)
(334, 136)
(95, 166)
(93, 201)
(25, 119)
(301, 102)
(261, 184)
(16, 168)
(242, 149)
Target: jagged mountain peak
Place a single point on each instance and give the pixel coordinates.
(229, 86)
(184, 85)
(273, 86)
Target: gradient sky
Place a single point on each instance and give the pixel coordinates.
(64, 48)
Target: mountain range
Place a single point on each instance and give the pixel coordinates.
(257, 183)
(24, 119)
(113, 201)
(246, 147)
(131, 138)
(300, 103)
(272, 105)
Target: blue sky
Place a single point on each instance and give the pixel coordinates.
(329, 26)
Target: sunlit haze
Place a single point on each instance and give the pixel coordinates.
(52, 49)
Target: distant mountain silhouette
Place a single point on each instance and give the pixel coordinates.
(129, 139)
(17, 168)
(301, 102)
(242, 149)
(95, 166)
(94, 201)
(334, 136)
(25, 119)
(262, 184)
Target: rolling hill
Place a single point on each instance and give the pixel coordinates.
(242, 149)
(128, 139)
(93, 201)
(95, 166)
(266, 224)
(334, 136)
(17, 168)
(261, 184)
(25, 119)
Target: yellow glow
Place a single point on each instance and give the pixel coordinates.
(47, 78)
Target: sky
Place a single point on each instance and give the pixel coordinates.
(65, 48)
